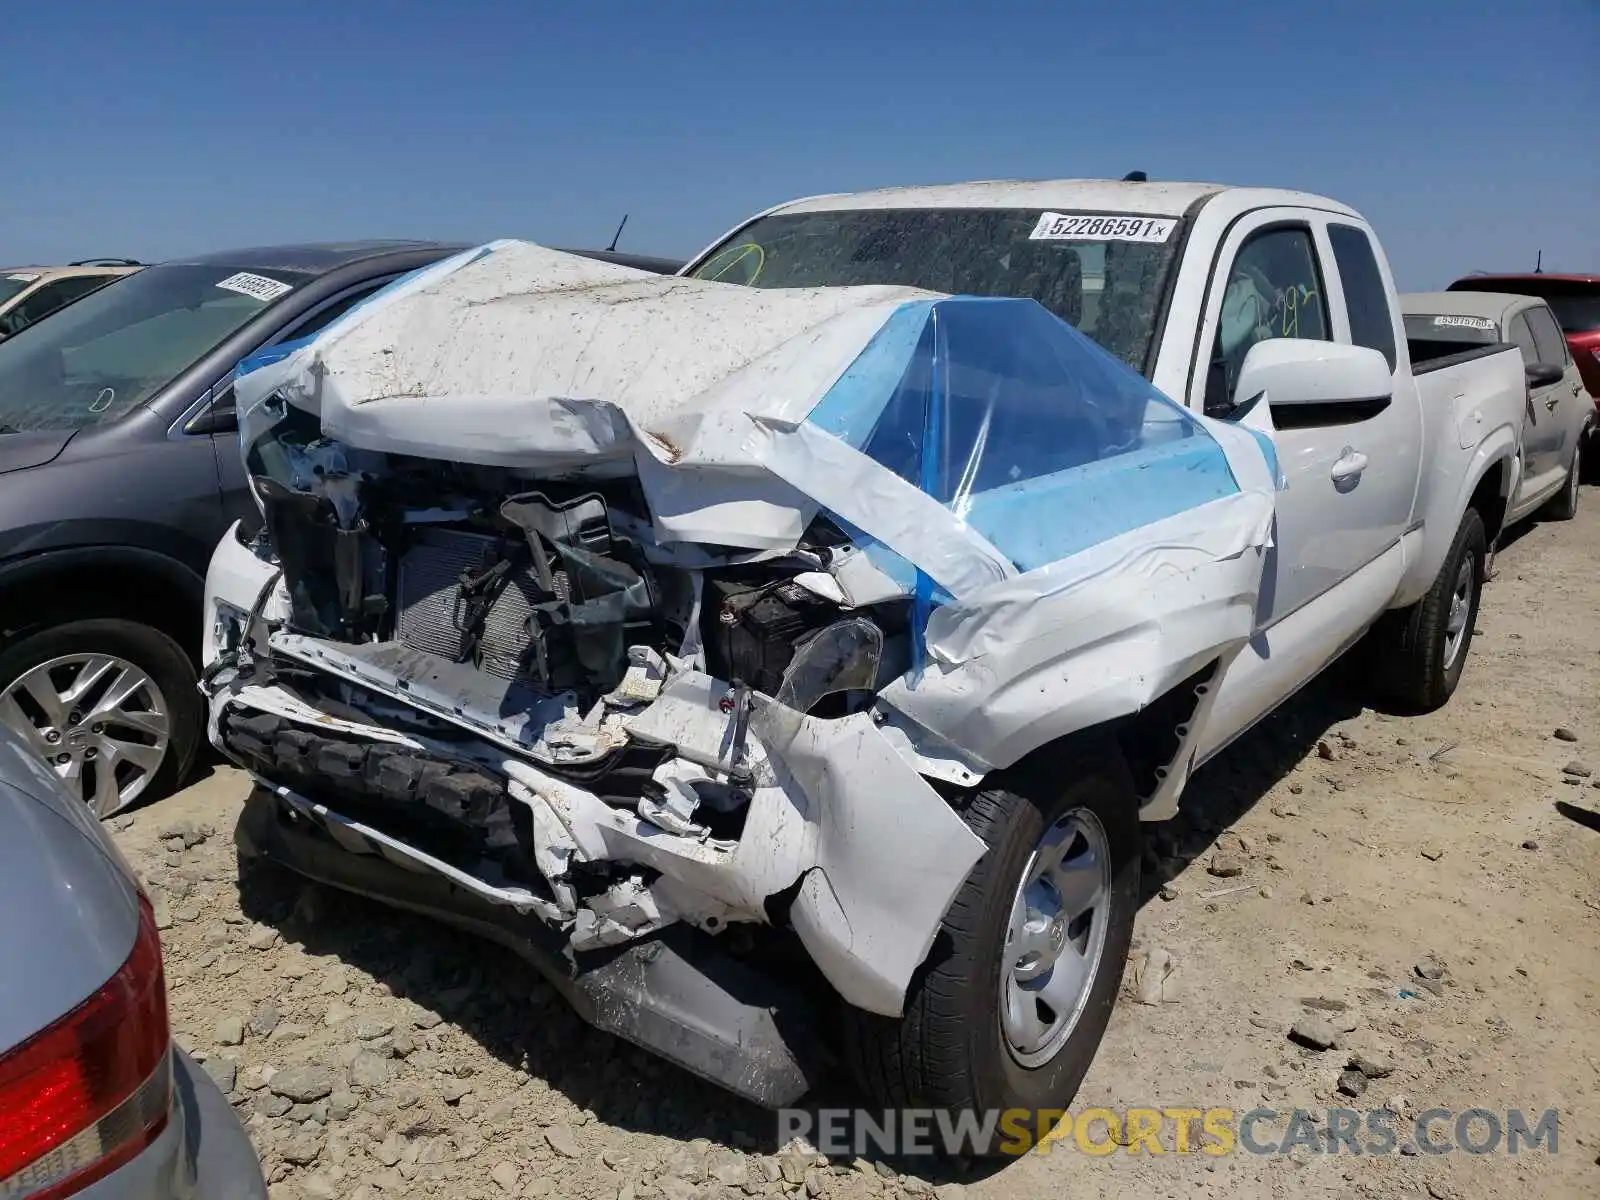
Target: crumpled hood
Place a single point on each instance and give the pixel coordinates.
(516, 355)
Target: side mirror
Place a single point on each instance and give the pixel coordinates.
(213, 421)
(1294, 372)
(1543, 374)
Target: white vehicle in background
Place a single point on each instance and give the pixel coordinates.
(902, 611)
(1443, 326)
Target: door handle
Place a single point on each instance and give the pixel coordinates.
(1350, 465)
(1552, 402)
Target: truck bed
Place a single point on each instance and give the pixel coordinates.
(1429, 355)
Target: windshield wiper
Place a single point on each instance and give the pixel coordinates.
(9, 429)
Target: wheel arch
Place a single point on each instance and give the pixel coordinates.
(131, 582)
(1154, 745)
(1486, 483)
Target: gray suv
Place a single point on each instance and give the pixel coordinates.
(121, 471)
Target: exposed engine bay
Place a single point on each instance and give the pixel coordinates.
(478, 667)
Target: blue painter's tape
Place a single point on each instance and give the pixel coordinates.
(851, 407)
(1039, 521)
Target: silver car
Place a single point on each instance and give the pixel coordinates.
(95, 1100)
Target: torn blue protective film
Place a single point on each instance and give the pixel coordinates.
(1036, 437)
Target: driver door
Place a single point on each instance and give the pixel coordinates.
(1269, 285)
(1350, 468)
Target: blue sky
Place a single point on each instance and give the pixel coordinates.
(1466, 131)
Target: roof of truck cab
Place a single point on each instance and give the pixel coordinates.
(1091, 195)
(1492, 306)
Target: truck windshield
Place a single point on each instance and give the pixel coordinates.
(117, 347)
(1090, 272)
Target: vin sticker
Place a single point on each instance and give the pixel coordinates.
(257, 287)
(1059, 227)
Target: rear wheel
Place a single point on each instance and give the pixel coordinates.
(112, 705)
(1015, 997)
(1565, 504)
(1419, 652)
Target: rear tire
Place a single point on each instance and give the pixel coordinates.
(954, 1048)
(1419, 652)
(1564, 506)
(174, 696)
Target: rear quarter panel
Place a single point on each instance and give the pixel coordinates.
(1473, 413)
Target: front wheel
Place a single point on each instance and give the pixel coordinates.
(1419, 652)
(111, 705)
(1011, 1005)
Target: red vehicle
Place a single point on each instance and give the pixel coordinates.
(1575, 299)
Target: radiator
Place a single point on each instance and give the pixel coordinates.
(430, 609)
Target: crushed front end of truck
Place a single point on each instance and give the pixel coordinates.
(659, 627)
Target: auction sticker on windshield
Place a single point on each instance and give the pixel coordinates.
(23, 278)
(258, 287)
(1059, 227)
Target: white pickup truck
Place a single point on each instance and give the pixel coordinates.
(787, 669)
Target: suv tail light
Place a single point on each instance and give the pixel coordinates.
(83, 1096)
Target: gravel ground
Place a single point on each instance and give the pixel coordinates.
(1422, 891)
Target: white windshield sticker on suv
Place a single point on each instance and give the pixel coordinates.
(1466, 322)
(23, 278)
(1063, 228)
(258, 287)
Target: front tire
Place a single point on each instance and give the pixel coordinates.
(111, 704)
(1010, 1007)
(1419, 652)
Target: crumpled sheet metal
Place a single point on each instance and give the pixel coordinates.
(1098, 636)
(829, 797)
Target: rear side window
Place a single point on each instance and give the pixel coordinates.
(1366, 298)
(1552, 346)
(1522, 337)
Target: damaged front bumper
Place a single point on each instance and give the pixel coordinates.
(677, 992)
(674, 992)
(701, 804)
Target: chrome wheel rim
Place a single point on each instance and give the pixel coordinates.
(1055, 937)
(99, 721)
(1455, 626)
